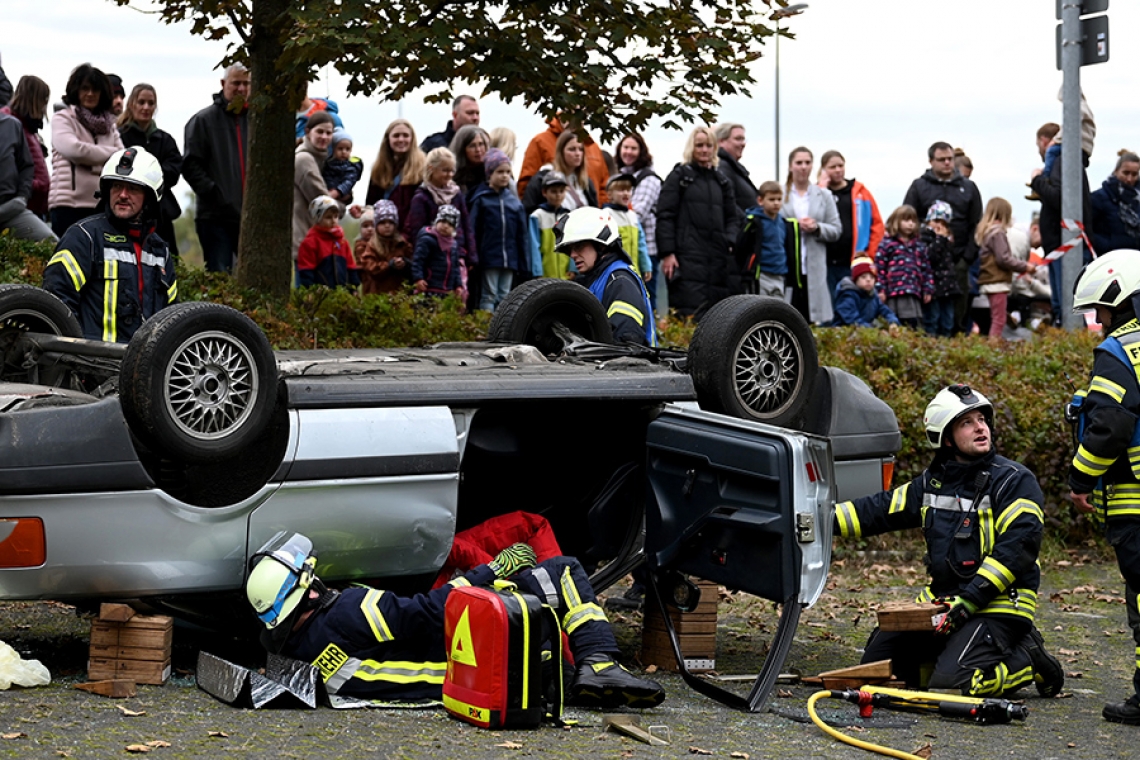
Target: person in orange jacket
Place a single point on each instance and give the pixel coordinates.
(540, 152)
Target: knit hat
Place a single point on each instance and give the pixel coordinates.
(448, 213)
(493, 160)
(939, 210)
(861, 266)
(553, 178)
(367, 215)
(319, 205)
(338, 135)
(117, 85)
(386, 211)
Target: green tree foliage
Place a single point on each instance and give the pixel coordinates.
(609, 64)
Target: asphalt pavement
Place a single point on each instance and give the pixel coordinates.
(1083, 621)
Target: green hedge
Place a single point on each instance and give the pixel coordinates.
(1028, 382)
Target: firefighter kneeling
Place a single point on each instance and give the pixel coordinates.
(981, 516)
(373, 644)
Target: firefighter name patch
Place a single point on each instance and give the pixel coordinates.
(330, 661)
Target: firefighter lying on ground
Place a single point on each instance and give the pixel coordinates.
(373, 644)
(982, 520)
(1105, 472)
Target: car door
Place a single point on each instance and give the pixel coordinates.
(746, 505)
(374, 488)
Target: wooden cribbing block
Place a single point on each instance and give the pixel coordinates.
(696, 631)
(115, 689)
(137, 649)
(116, 613)
(909, 616)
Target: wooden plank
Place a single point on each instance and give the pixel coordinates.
(157, 622)
(692, 645)
(909, 616)
(877, 669)
(118, 613)
(138, 671)
(115, 689)
(114, 634)
(129, 653)
(683, 626)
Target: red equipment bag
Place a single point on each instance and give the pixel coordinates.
(497, 670)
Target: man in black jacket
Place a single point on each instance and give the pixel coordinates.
(16, 174)
(981, 516)
(214, 162)
(942, 182)
(464, 111)
(730, 147)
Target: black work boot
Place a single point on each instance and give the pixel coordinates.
(601, 682)
(1048, 675)
(1127, 712)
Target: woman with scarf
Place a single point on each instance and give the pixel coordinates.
(29, 106)
(307, 180)
(1115, 221)
(83, 137)
(137, 128)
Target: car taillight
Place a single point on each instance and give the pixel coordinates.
(888, 473)
(23, 545)
(811, 472)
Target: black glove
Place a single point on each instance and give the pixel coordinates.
(513, 559)
(961, 610)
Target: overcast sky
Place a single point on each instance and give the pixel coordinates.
(878, 81)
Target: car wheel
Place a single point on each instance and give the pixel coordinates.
(198, 382)
(754, 357)
(24, 309)
(530, 311)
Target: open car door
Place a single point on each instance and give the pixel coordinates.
(745, 505)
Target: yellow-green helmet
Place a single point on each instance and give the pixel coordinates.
(280, 575)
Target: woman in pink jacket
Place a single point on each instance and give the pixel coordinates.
(83, 137)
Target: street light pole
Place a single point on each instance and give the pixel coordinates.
(791, 10)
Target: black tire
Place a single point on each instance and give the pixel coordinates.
(24, 308)
(754, 357)
(198, 382)
(528, 313)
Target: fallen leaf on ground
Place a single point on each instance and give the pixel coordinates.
(698, 751)
(1070, 745)
(220, 734)
(158, 743)
(509, 745)
(651, 669)
(130, 713)
(925, 750)
(62, 753)
(139, 748)
(1075, 674)
(1068, 651)
(741, 755)
(782, 694)
(13, 735)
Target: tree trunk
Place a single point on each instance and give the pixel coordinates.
(265, 261)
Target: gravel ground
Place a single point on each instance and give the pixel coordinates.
(1083, 623)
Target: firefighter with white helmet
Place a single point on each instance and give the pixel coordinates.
(1104, 475)
(111, 269)
(372, 644)
(590, 236)
(981, 516)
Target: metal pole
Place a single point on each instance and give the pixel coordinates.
(777, 177)
(1073, 164)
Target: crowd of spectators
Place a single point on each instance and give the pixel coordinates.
(704, 230)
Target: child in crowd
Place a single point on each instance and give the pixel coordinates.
(386, 262)
(619, 187)
(500, 229)
(436, 261)
(551, 263)
(342, 170)
(324, 257)
(856, 302)
(997, 262)
(367, 230)
(439, 189)
(938, 313)
(903, 267)
(761, 245)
